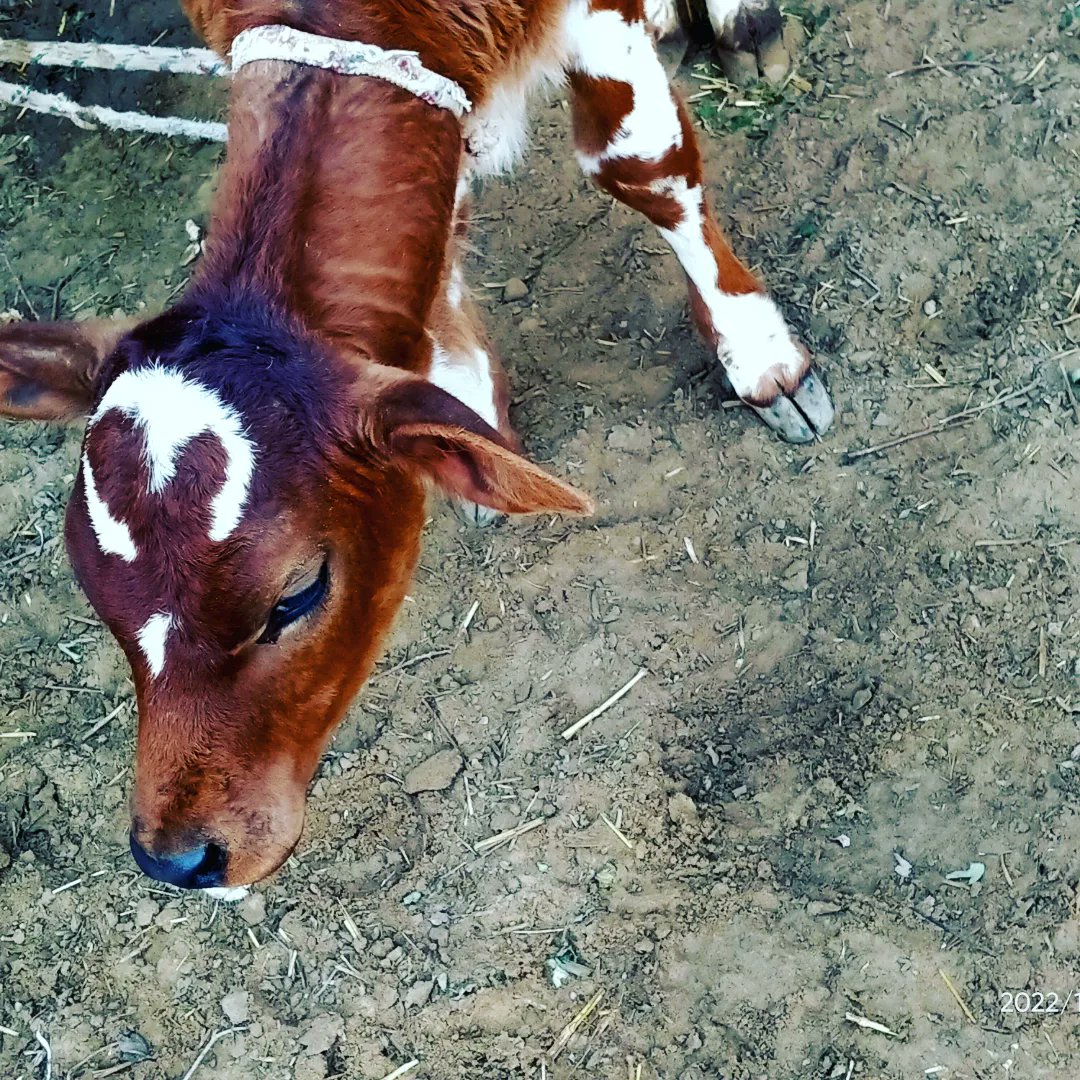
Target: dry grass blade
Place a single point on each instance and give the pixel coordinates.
(509, 834)
(956, 994)
(574, 728)
(870, 1025)
(208, 1047)
(402, 1070)
(965, 416)
(575, 1025)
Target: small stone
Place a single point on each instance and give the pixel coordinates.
(145, 910)
(644, 946)
(321, 1034)
(817, 908)
(236, 1006)
(860, 699)
(606, 875)
(515, 289)
(930, 308)
(252, 909)
(796, 580)
(682, 811)
(435, 774)
(419, 993)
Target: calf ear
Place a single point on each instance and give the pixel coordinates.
(47, 370)
(421, 426)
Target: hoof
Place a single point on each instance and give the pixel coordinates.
(475, 515)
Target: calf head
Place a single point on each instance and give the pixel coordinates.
(246, 518)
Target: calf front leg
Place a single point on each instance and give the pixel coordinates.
(635, 140)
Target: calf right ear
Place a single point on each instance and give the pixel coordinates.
(47, 370)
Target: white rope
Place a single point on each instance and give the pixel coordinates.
(113, 57)
(94, 116)
(402, 68)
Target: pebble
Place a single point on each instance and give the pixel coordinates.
(435, 774)
(515, 289)
(236, 1006)
(796, 580)
(322, 1033)
(419, 993)
(145, 910)
(682, 811)
(252, 909)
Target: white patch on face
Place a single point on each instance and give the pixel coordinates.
(603, 45)
(152, 639)
(468, 378)
(113, 536)
(754, 336)
(171, 411)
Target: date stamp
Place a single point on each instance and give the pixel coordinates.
(1036, 1003)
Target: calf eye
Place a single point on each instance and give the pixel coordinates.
(290, 609)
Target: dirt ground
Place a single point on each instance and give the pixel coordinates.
(863, 675)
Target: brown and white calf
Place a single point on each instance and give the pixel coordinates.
(251, 492)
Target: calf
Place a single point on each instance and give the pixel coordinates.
(251, 490)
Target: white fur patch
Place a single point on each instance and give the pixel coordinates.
(662, 16)
(152, 639)
(468, 378)
(754, 336)
(455, 286)
(604, 46)
(113, 536)
(722, 12)
(497, 134)
(226, 895)
(171, 411)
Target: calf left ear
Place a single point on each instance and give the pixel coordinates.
(421, 426)
(47, 370)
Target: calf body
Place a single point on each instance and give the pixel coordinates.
(247, 514)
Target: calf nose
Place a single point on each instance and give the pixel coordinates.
(201, 867)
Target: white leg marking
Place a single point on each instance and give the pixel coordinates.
(662, 16)
(468, 378)
(498, 133)
(152, 638)
(604, 46)
(171, 411)
(722, 12)
(113, 536)
(754, 336)
(455, 287)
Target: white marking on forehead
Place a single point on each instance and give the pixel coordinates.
(171, 411)
(152, 638)
(468, 378)
(113, 536)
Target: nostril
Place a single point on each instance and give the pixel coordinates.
(199, 867)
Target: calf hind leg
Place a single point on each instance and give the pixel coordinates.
(635, 140)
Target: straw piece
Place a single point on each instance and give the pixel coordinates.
(573, 729)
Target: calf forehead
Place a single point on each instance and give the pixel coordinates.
(169, 410)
